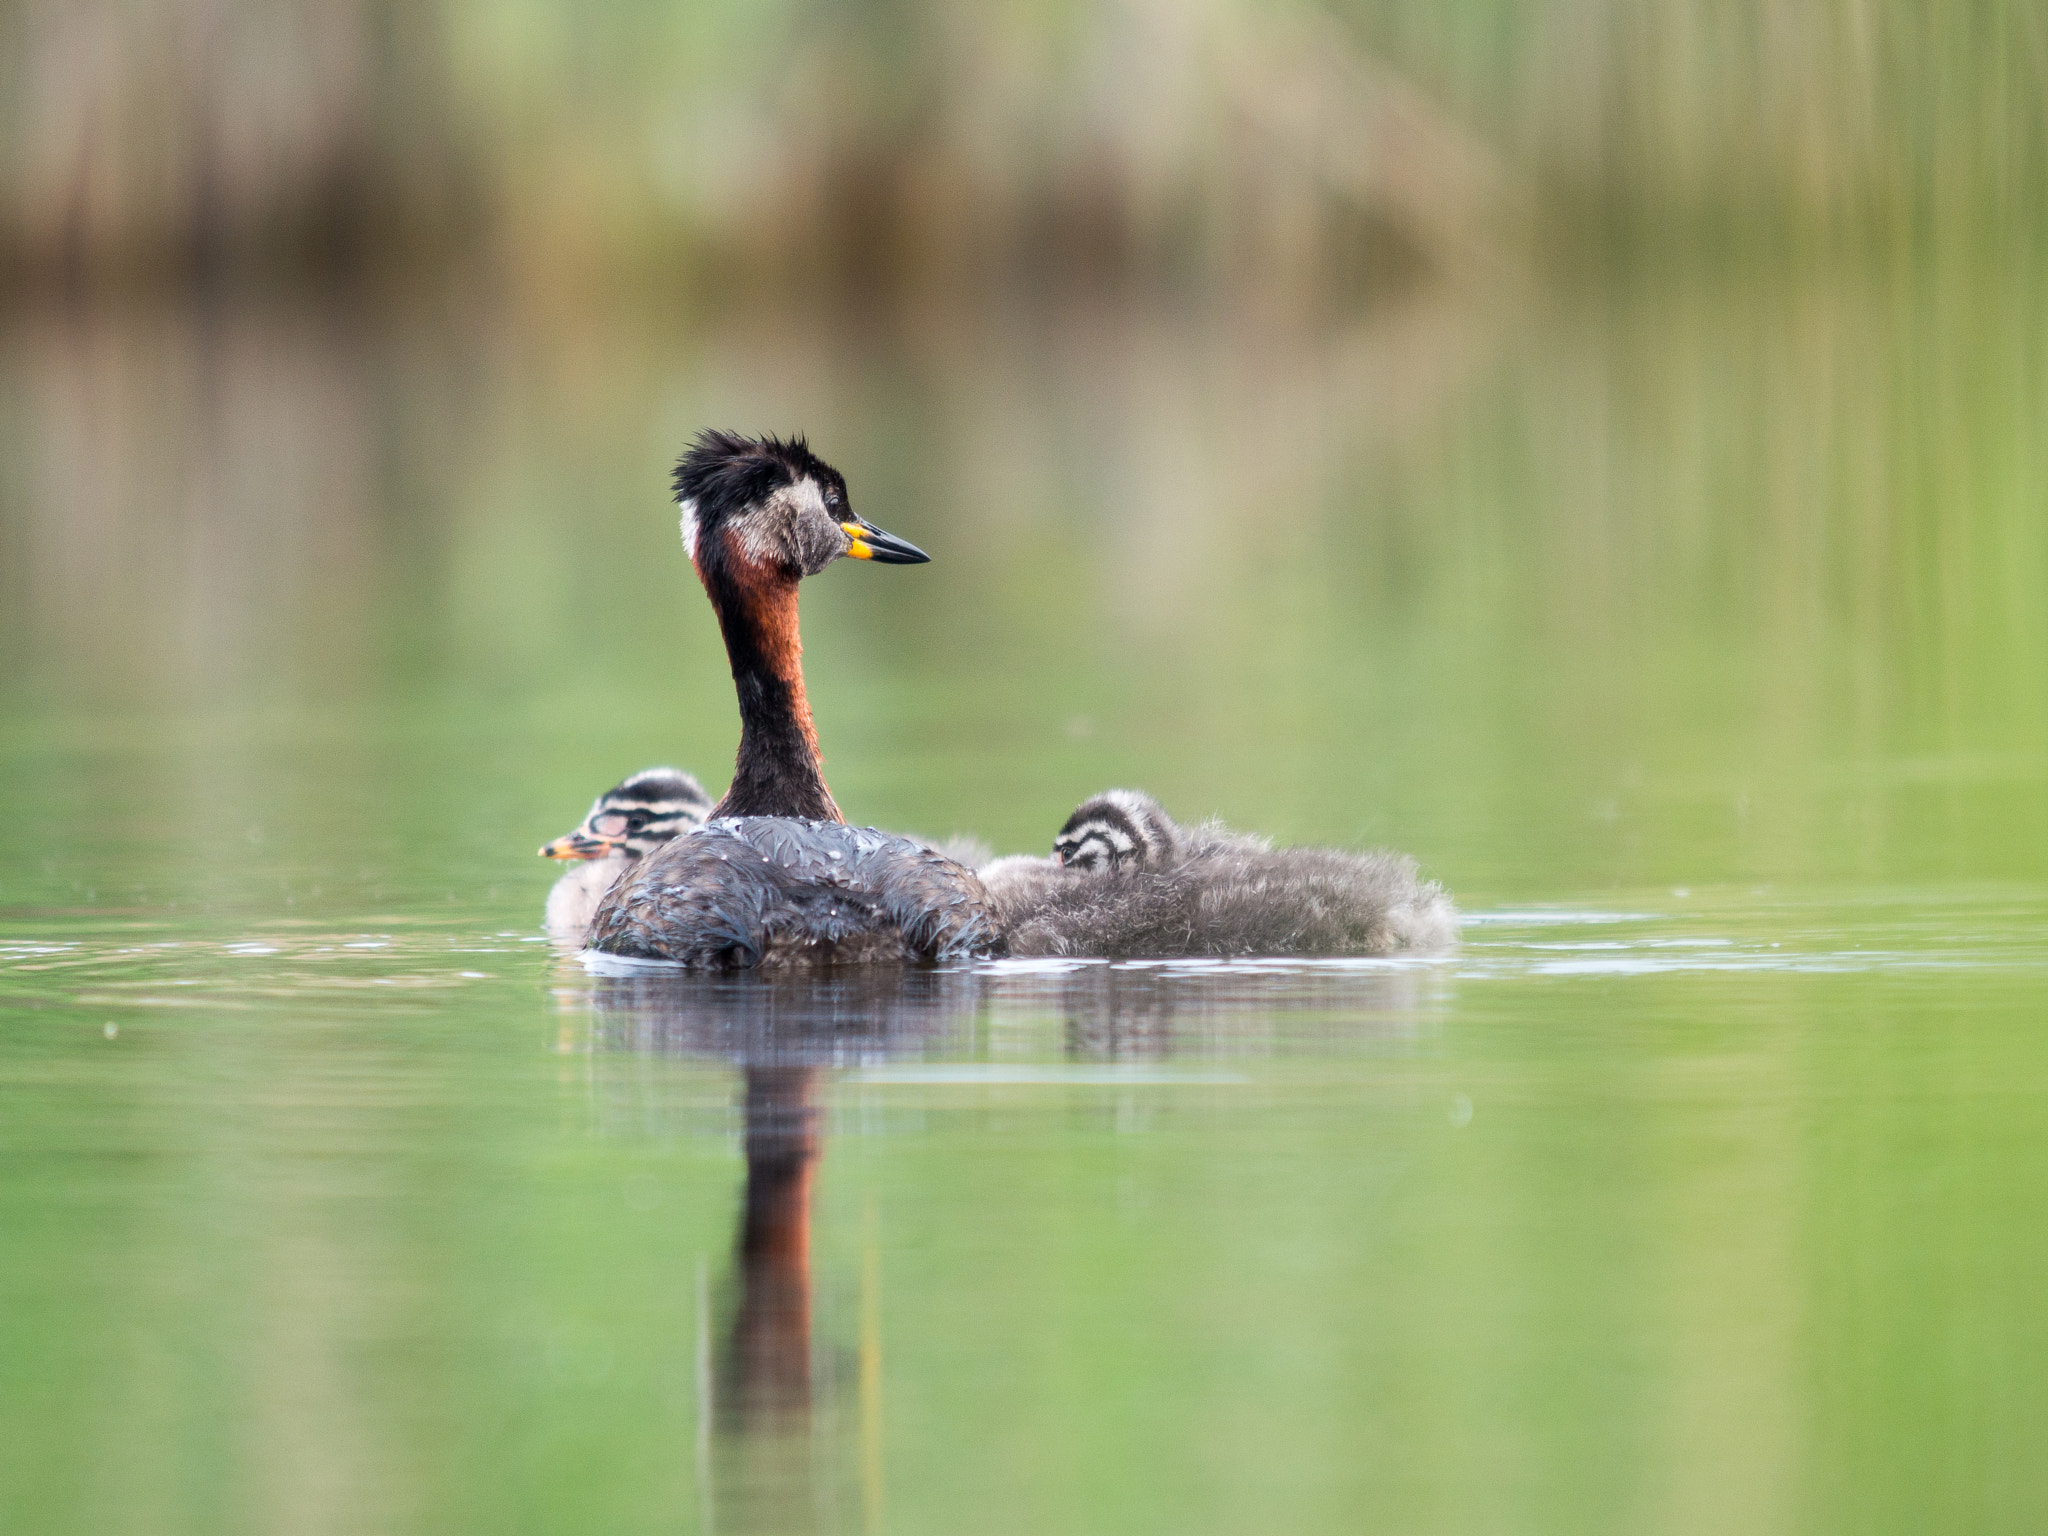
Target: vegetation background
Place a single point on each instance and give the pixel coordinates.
(894, 143)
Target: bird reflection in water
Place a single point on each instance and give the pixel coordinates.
(778, 1447)
(785, 1443)
(766, 1372)
(1203, 1010)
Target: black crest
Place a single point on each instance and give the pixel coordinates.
(724, 472)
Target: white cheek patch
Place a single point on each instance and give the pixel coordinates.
(807, 498)
(688, 506)
(771, 530)
(755, 529)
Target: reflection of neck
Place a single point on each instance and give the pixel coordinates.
(778, 772)
(771, 1334)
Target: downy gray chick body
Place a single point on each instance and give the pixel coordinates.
(1125, 881)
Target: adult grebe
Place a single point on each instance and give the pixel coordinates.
(1126, 881)
(775, 876)
(628, 821)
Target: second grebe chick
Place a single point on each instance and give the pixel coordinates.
(627, 822)
(1124, 829)
(775, 876)
(1127, 882)
(1116, 828)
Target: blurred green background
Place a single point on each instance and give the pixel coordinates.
(893, 143)
(1601, 448)
(1368, 422)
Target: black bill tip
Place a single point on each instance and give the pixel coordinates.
(870, 543)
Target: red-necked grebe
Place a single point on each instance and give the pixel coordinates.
(775, 876)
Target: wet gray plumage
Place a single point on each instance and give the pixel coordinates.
(1174, 891)
(770, 891)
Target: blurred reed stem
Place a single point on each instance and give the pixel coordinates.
(908, 146)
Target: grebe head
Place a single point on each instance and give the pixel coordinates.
(763, 507)
(635, 817)
(1118, 829)
(759, 515)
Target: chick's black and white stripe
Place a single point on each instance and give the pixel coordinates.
(1116, 829)
(656, 804)
(635, 816)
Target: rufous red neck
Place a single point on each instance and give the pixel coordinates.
(778, 771)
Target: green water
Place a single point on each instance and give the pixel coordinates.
(1695, 635)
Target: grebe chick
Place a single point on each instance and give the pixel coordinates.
(1178, 891)
(1116, 828)
(627, 822)
(1123, 829)
(775, 877)
(1119, 829)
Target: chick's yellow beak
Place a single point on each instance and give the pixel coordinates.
(576, 845)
